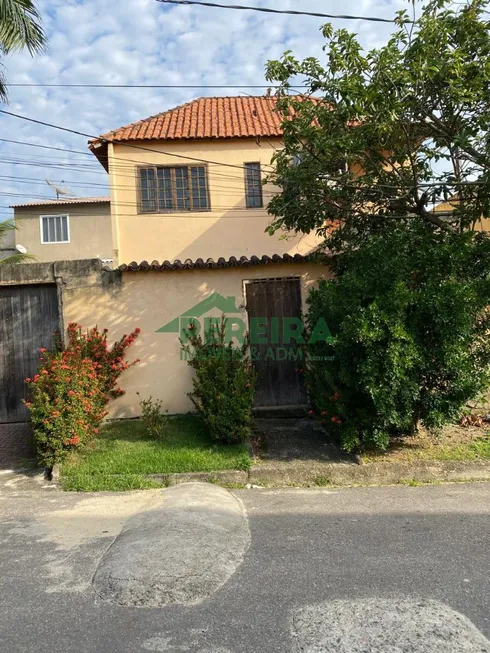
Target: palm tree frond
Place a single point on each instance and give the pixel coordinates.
(17, 258)
(20, 26)
(5, 226)
(3, 85)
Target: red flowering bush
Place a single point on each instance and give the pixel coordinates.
(109, 361)
(67, 404)
(70, 392)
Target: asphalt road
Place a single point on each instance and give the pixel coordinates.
(322, 566)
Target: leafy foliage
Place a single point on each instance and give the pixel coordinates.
(223, 385)
(377, 141)
(71, 390)
(20, 28)
(381, 136)
(153, 417)
(67, 404)
(5, 227)
(409, 314)
(109, 361)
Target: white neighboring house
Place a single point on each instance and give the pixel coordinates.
(67, 229)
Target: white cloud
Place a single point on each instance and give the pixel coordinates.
(144, 42)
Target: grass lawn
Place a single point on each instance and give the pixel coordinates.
(451, 443)
(122, 453)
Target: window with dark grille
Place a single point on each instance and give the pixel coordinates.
(253, 186)
(173, 188)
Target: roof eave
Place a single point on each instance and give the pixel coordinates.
(99, 149)
(220, 263)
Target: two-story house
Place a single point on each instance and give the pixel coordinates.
(184, 184)
(188, 183)
(188, 219)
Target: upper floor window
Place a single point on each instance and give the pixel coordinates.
(55, 229)
(253, 186)
(173, 188)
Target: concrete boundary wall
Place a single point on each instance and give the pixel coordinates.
(69, 276)
(91, 295)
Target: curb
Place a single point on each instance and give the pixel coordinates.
(311, 473)
(226, 477)
(316, 474)
(384, 473)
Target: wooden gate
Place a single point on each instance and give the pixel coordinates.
(28, 318)
(276, 362)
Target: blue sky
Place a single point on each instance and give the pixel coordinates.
(143, 42)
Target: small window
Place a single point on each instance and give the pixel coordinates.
(173, 188)
(253, 186)
(55, 229)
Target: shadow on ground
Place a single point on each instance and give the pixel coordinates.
(16, 446)
(291, 439)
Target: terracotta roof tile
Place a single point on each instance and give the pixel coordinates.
(210, 263)
(209, 117)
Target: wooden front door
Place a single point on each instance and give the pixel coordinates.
(276, 362)
(28, 318)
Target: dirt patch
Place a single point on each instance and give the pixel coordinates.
(452, 442)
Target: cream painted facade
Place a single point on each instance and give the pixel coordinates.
(227, 229)
(446, 207)
(89, 231)
(150, 300)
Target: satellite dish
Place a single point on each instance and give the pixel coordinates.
(21, 249)
(60, 190)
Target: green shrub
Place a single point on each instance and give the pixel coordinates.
(408, 313)
(153, 417)
(223, 384)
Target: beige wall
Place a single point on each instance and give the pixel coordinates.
(7, 245)
(90, 232)
(229, 229)
(482, 225)
(150, 300)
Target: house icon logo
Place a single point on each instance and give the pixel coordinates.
(226, 305)
(286, 334)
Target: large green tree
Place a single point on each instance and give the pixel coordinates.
(383, 135)
(20, 28)
(377, 141)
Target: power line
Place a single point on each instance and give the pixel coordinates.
(123, 166)
(135, 147)
(228, 189)
(127, 166)
(214, 177)
(45, 147)
(170, 154)
(170, 86)
(268, 10)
